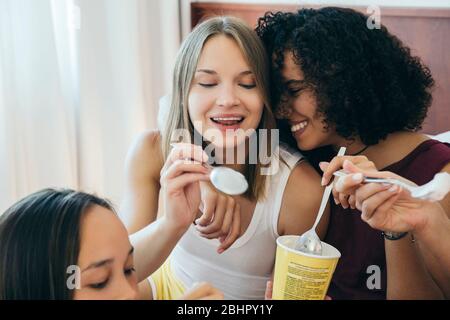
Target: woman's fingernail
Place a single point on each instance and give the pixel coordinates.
(220, 251)
(323, 182)
(336, 201)
(347, 163)
(393, 188)
(323, 165)
(357, 177)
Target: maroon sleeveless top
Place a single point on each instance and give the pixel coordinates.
(359, 244)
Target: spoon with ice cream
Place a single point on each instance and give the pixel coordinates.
(226, 180)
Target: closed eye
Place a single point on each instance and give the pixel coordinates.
(99, 285)
(129, 272)
(248, 86)
(295, 87)
(208, 85)
(294, 92)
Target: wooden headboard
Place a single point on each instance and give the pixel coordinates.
(426, 31)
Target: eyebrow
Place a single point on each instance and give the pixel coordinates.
(105, 262)
(208, 71)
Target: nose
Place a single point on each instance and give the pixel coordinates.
(228, 96)
(128, 290)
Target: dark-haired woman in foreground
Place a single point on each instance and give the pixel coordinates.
(338, 83)
(63, 244)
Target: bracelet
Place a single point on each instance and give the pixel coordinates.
(393, 235)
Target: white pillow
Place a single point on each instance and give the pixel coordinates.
(442, 137)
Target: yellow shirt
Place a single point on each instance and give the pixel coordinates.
(165, 285)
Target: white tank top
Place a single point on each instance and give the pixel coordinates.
(241, 272)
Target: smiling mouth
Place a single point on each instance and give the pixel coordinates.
(227, 121)
(299, 126)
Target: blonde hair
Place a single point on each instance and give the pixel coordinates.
(185, 68)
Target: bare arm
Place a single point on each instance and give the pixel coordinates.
(142, 173)
(153, 245)
(180, 194)
(409, 271)
(301, 202)
(407, 274)
(434, 242)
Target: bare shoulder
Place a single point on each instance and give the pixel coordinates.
(148, 141)
(145, 156)
(303, 181)
(301, 200)
(303, 173)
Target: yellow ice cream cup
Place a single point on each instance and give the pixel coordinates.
(302, 276)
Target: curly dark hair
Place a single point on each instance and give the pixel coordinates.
(366, 81)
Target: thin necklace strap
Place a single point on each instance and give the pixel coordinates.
(360, 151)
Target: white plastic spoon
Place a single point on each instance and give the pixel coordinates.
(226, 180)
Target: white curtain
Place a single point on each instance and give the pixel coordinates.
(79, 80)
(37, 142)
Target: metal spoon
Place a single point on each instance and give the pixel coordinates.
(309, 242)
(434, 190)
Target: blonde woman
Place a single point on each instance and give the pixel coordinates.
(220, 85)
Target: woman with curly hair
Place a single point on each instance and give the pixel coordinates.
(338, 83)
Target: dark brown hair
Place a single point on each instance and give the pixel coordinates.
(39, 240)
